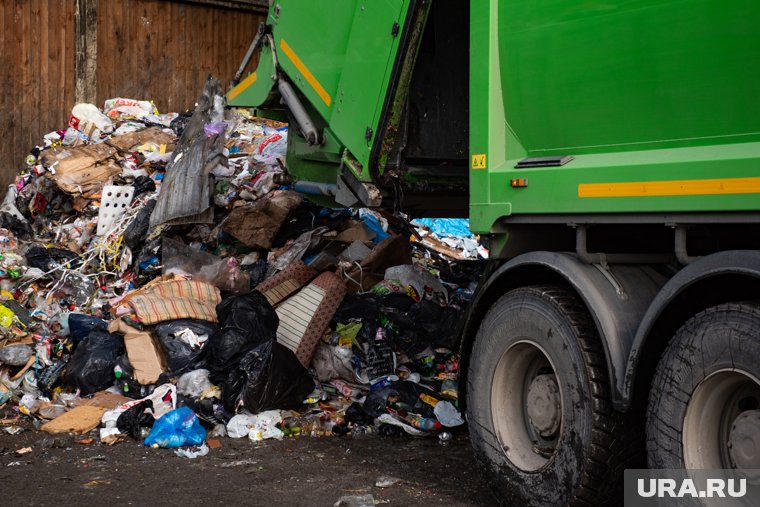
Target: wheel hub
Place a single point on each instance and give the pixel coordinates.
(544, 405)
(744, 441)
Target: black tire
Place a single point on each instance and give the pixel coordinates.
(586, 467)
(722, 340)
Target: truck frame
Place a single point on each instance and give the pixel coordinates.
(610, 153)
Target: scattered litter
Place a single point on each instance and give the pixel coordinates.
(355, 501)
(161, 279)
(238, 463)
(386, 481)
(192, 454)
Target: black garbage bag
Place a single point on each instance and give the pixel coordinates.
(407, 392)
(137, 230)
(135, 417)
(179, 123)
(20, 228)
(357, 306)
(245, 322)
(441, 326)
(424, 324)
(355, 414)
(49, 258)
(91, 366)
(81, 325)
(180, 356)
(257, 271)
(143, 184)
(268, 377)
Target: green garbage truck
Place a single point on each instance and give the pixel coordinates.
(610, 153)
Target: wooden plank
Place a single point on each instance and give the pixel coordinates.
(160, 66)
(36, 107)
(46, 117)
(108, 39)
(22, 29)
(6, 108)
(67, 57)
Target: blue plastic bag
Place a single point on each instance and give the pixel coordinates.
(446, 227)
(374, 224)
(177, 428)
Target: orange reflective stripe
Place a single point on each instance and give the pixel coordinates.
(717, 186)
(305, 72)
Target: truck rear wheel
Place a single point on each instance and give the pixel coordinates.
(538, 405)
(704, 405)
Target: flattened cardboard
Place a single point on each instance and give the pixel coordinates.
(143, 354)
(81, 170)
(104, 399)
(78, 420)
(256, 224)
(153, 135)
(357, 231)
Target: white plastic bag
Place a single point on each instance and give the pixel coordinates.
(83, 114)
(257, 426)
(193, 383)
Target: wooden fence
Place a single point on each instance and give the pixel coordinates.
(55, 53)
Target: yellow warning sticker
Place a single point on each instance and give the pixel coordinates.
(479, 161)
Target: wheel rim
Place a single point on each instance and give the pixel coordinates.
(526, 406)
(720, 429)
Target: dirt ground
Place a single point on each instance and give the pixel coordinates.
(298, 471)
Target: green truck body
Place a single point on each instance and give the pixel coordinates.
(610, 151)
(657, 102)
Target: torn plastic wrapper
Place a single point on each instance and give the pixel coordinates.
(294, 250)
(225, 274)
(194, 383)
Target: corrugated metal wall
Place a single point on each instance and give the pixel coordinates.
(146, 49)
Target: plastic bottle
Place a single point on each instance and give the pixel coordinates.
(384, 381)
(117, 371)
(422, 423)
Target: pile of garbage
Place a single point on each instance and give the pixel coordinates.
(162, 281)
